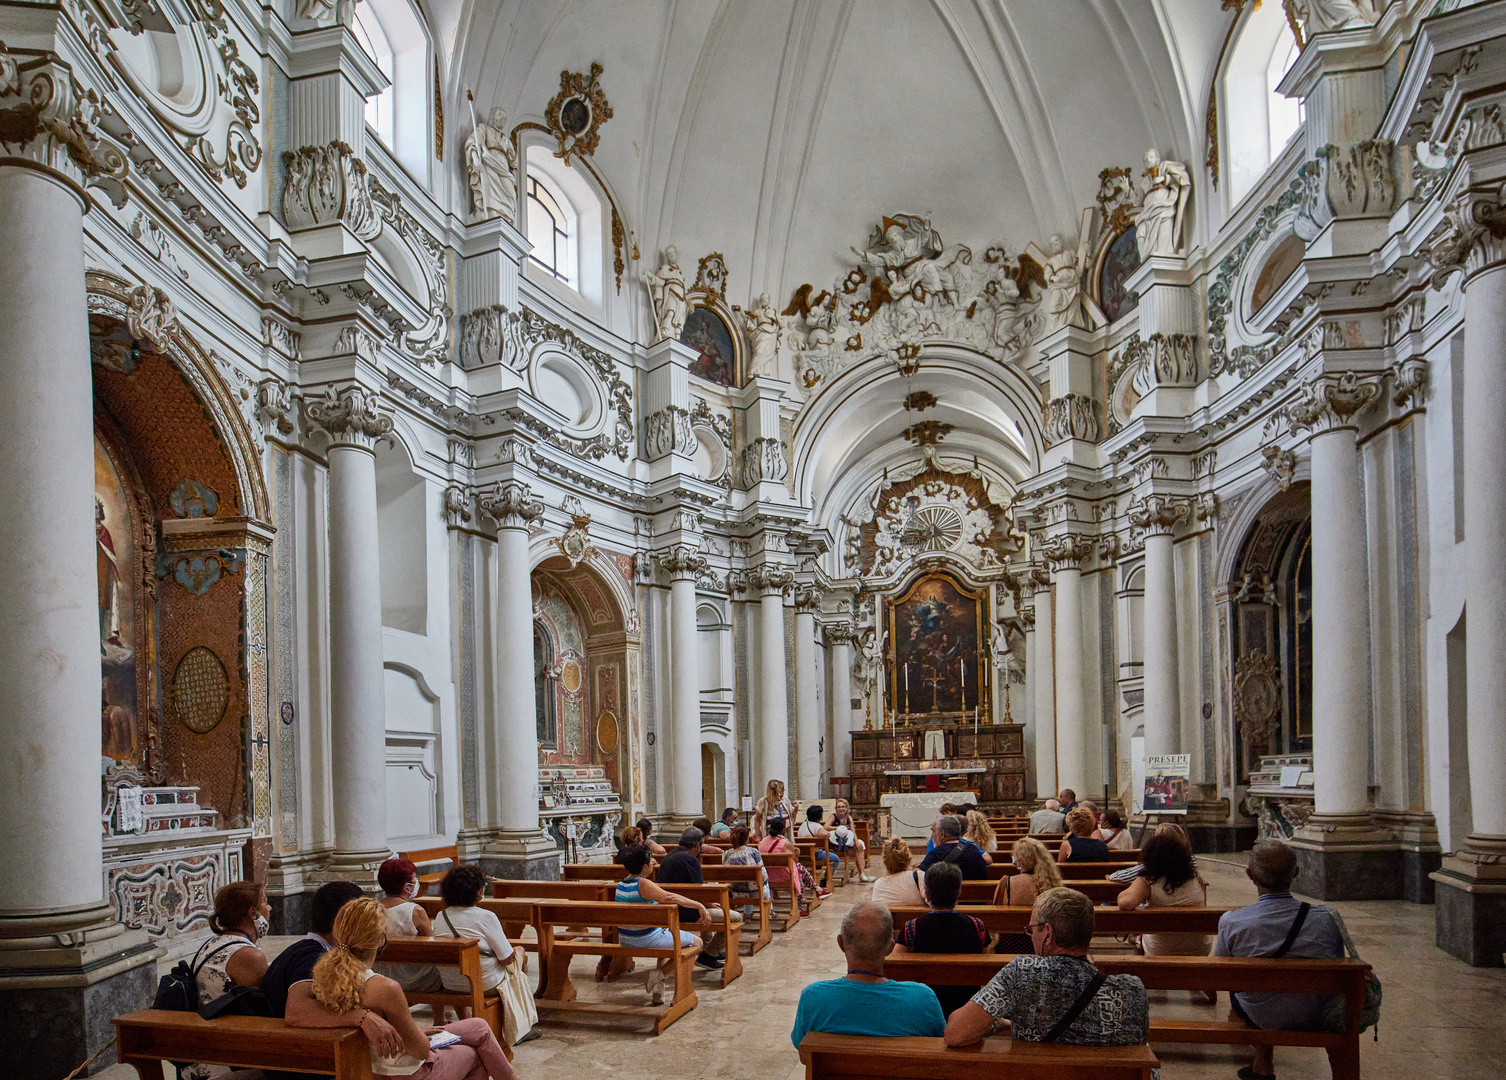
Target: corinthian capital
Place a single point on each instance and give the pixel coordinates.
(511, 505)
(681, 562)
(1472, 235)
(351, 416)
(1159, 515)
(47, 118)
(770, 579)
(1330, 402)
(839, 633)
(808, 601)
(1067, 552)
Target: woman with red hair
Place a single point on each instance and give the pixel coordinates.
(398, 879)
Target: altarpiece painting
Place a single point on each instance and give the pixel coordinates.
(935, 628)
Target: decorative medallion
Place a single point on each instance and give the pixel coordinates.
(607, 732)
(191, 499)
(920, 400)
(1257, 698)
(576, 113)
(200, 690)
(570, 676)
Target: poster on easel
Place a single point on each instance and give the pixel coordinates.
(1166, 780)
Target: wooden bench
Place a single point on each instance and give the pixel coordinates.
(832, 1056)
(602, 871)
(429, 856)
(152, 1036)
(1072, 871)
(462, 953)
(860, 830)
(790, 915)
(1100, 892)
(753, 875)
(1211, 973)
(819, 866)
(716, 894)
(559, 992)
(1165, 920)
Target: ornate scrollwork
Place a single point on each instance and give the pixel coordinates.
(328, 184)
(350, 415)
(767, 579)
(1361, 183)
(667, 431)
(428, 343)
(1472, 235)
(763, 459)
(1071, 416)
(574, 115)
(1068, 551)
(49, 118)
(1330, 402)
(510, 503)
(1159, 515)
(681, 561)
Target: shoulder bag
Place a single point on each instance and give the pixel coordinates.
(1089, 992)
(519, 1013)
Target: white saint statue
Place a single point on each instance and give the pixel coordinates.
(1163, 204)
(1063, 285)
(1321, 16)
(762, 328)
(666, 288)
(490, 168)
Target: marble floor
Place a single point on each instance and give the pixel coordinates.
(1439, 1017)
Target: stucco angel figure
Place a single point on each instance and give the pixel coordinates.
(870, 658)
(666, 288)
(1164, 189)
(913, 261)
(491, 168)
(762, 328)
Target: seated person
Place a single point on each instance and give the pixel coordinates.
(1048, 819)
(901, 886)
(844, 836)
(1068, 798)
(398, 880)
(646, 828)
(864, 1002)
(741, 854)
(682, 866)
(704, 824)
(944, 930)
(1260, 930)
(1112, 832)
(1168, 878)
(776, 844)
(724, 826)
(1079, 845)
(1031, 994)
(1037, 873)
(343, 983)
(946, 835)
(462, 888)
(812, 829)
(294, 966)
(977, 831)
(947, 809)
(637, 889)
(230, 958)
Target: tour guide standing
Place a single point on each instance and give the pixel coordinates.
(865, 1002)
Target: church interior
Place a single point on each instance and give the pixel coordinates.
(508, 420)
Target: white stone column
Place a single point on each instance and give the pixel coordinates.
(845, 720)
(352, 418)
(1159, 515)
(1075, 750)
(682, 564)
(519, 848)
(772, 724)
(57, 993)
(1044, 681)
(807, 716)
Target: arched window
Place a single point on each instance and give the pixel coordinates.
(401, 114)
(543, 688)
(1258, 120)
(550, 225)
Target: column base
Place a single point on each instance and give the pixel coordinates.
(290, 889)
(1471, 897)
(521, 856)
(1345, 857)
(358, 866)
(57, 1000)
(1416, 835)
(1210, 830)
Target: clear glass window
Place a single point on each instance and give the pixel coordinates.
(373, 38)
(549, 231)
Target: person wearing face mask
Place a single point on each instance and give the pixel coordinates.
(230, 958)
(398, 879)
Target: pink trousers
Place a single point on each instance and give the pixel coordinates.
(477, 1055)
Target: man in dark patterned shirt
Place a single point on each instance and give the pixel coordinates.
(1030, 995)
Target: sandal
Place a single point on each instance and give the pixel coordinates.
(1249, 1073)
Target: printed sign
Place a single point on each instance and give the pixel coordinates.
(128, 813)
(1166, 783)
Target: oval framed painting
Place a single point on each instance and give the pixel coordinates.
(607, 732)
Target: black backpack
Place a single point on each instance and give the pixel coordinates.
(178, 990)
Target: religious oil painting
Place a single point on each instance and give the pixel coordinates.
(115, 555)
(934, 629)
(707, 334)
(1121, 260)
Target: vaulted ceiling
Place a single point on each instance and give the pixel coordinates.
(778, 131)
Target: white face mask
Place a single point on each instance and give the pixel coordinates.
(410, 890)
(262, 926)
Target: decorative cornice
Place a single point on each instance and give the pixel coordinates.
(351, 416)
(1071, 416)
(1471, 236)
(681, 562)
(1159, 515)
(1067, 552)
(510, 503)
(1330, 402)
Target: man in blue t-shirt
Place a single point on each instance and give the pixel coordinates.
(864, 1002)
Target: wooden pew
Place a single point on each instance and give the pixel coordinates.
(829, 1057)
(1165, 920)
(560, 993)
(715, 894)
(462, 953)
(791, 914)
(1213, 973)
(1073, 871)
(716, 873)
(152, 1036)
(602, 872)
(820, 868)
(424, 856)
(1100, 892)
(514, 913)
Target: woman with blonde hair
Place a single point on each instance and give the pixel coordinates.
(344, 982)
(1036, 872)
(901, 886)
(772, 805)
(977, 829)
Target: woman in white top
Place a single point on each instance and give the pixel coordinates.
(398, 879)
(230, 958)
(901, 886)
(772, 805)
(1112, 832)
(343, 981)
(462, 889)
(845, 836)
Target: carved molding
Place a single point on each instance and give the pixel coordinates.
(1409, 383)
(668, 431)
(510, 503)
(1472, 235)
(1165, 360)
(1159, 515)
(763, 459)
(1330, 402)
(1360, 183)
(352, 416)
(808, 601)
(681, 562)
(1067, 552)
(327, 184)
(1071, 416)
(1280, 465)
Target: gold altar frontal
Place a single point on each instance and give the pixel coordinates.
(998, 749)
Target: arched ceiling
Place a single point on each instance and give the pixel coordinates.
(778, 132)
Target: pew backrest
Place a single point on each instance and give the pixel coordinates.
(1165, 920)
(151, 1036)
(832, 1056)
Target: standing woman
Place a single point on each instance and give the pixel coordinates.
(772, 805)
(1037, 873)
